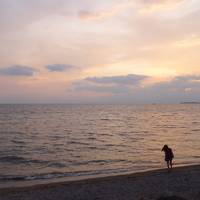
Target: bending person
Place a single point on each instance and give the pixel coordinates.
(168, 155)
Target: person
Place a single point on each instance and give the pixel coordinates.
(168, 156)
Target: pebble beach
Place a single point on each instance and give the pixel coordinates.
(180, 183)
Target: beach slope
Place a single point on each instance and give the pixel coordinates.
(183, 182)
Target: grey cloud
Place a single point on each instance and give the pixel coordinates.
(17, 70)
(128, 89)
(180, 83)
(125, 80)
(179, 89)
(59, 67)
(99, 88)
(109, 84)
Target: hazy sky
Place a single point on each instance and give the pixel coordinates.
(89, 51)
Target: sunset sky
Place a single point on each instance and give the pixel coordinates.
(106, 51)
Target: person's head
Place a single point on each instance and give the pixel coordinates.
(165, 147)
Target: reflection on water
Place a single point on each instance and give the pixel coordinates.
(53, 141)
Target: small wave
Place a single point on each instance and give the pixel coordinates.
(186, 133)
(89, 162)
(56, 137)
(95, 148)
(196, 130)
(100, 162)
(55, 175)
(31, 177)
(19, 143)
(69, 150)
(195, 122)
(196, 156)
(105, 134)
(80, 143)
(57, 165)
(91, 138)
(91, 133)
(92, 147)
(12, 178)
(12, 159)
(110, 145)
(21, 160)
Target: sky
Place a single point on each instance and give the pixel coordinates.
(108, 51)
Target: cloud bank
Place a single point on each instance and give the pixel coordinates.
(130, 79)
(17, 70)
(59, 67)
(129, 88)
(109, 84)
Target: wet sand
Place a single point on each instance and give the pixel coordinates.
(183, 182)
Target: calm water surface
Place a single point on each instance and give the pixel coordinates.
(51, 142)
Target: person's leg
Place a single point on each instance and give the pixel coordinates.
(171, 164)
(168, 164)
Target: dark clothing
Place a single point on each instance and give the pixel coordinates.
(168, 154)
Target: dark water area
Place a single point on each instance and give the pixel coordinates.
(47, 142)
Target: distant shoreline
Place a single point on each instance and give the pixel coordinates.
(96, 104)
(182, 181)
(190, 102)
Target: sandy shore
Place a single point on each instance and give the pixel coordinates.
(182, 182)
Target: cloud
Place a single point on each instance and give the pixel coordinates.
(20, 15)
(175, 86)
(130, 79)
(101, 14)
(84, 86)
(129, 88)
(59, 67)
(17, 70)
(183, 82)
(154, 5)
(109, 84)
(178, 89)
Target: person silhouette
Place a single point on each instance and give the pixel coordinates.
(168, 156)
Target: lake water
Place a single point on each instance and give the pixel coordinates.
(55, 142)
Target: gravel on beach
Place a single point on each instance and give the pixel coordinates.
(182, 183)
